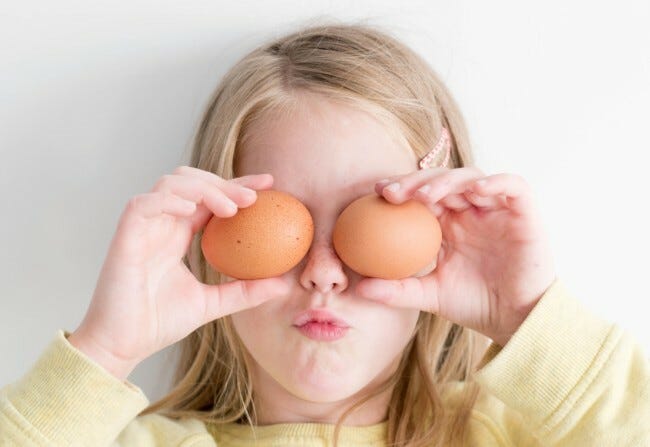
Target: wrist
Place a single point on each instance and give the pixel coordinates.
(515, 320)
(119, 368)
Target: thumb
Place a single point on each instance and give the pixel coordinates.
(234, 296)
(411, 293)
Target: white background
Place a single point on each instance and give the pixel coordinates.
(99, 99)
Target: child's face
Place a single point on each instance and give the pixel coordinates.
(326, 155)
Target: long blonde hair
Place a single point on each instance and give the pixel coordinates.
(366, 68)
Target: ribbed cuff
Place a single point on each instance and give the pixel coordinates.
(551, 360)
(73, 401)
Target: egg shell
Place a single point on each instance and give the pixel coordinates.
(263, 240)
(379, 239)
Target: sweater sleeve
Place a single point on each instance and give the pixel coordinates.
(575, 379)
(66, 399)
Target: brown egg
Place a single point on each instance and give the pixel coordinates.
(266, 239)
(379, 239)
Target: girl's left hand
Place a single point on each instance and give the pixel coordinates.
(494, 263)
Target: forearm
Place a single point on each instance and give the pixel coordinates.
(66, 399)
(576, 379)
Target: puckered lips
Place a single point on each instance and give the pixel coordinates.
(321, 325)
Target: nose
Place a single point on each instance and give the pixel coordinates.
(323, 269)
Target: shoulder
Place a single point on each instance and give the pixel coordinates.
(159, 430)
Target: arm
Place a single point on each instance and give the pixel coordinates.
(66, 399)
(576, 379)
(76, 393)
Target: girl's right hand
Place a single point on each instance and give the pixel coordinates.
(146, 298)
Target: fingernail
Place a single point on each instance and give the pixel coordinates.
(232, 206)
(394, 187)
(384, 182)
(250, 193)
(424, 189)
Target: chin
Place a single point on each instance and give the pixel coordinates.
(321, 394)
(324, 386)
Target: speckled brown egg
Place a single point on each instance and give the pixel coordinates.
(379, 239)
(266, 239)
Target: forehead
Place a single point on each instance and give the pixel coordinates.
(323, 146)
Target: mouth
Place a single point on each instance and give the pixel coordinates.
(319, 316)
(321, 325)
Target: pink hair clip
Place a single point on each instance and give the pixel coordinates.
(443, 143)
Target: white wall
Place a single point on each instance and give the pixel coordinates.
(99, 99)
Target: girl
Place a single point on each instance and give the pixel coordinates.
(329, 114)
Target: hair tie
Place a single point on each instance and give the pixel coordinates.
(443, 143)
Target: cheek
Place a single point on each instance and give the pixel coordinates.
(241, 322)
(252, 327)
(391, 330)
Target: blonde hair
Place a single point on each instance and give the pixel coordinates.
(365, 68)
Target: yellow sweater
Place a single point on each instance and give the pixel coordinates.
(566, 378)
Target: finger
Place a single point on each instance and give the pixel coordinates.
(210, 199)
(249, 184)
(231, 297)
(381, 184)
(254, 181)
(517, 192)
(154, 204)
(453, 182)
(456, 202)
(241, 189)
(488, 203)
(199, 191)
(469, 199)
(411, 293)
(431, 185)
(399, 185)
(238, 192)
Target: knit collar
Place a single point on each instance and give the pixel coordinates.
(297, 434)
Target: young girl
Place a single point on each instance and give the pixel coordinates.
(329, 114)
